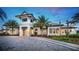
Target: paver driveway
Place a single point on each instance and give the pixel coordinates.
(16, 43)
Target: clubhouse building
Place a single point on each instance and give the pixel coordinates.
(26, 27)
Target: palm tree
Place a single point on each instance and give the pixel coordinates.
(60, 27)
(2, 14)
(75, 18)
(42, 22)
(11, 24)
(67, 31)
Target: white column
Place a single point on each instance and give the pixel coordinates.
(48, 31)
(28, 31)
(20, 31)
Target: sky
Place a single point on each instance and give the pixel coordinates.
(54, 14)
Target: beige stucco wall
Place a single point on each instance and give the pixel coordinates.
(73, 31)
(61, 31)
(38, 30)
(25, 33)
(31, 32)
(15, 32)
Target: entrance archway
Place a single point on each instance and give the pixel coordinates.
(24, 30)
(35, 33)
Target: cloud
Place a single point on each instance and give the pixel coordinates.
(57, 10)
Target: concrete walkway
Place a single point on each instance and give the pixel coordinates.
(16, 43)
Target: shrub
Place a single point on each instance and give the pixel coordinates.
(4, 34)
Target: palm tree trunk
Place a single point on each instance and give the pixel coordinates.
(60, 27)
(12, 31)
(67, 28)
(6, 30)
(42, 32)
(18, 31)
(60, 31)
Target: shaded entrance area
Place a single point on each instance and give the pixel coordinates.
(36, 32)
(24, 29)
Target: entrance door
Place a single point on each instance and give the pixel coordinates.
(24, 31)
(36, 30)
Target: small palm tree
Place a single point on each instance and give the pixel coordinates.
(11, 24)
(42, 22)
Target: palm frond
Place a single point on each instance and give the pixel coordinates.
(2, 14)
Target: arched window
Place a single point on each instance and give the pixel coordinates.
(50, 30)
(31, 20)
(70, 30)
(36, 29)
(25, 19)
(31, 27)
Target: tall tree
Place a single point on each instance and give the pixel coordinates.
(67, 31)
(11, 24)
(75, 18)
(42, 22)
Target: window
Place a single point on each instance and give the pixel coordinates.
(25, 19)
(57, 30)
(70, 30)
(36, 29)
(54, 31)
(24, 27)
(31, 27)
(65, 31)
(50, 30)
(31, 20)
(62, 31)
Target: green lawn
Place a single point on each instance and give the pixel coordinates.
(71, 38)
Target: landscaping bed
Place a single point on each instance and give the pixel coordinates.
(70, 38)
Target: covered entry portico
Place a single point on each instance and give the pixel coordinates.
(25, 31)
